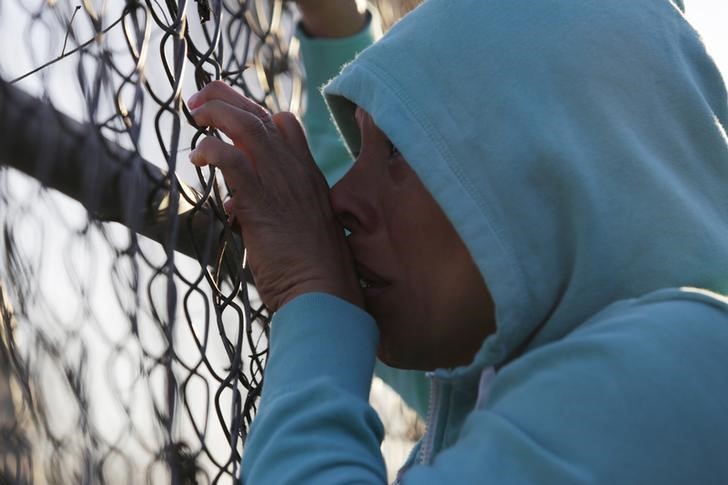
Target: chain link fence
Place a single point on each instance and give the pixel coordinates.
(132, 342)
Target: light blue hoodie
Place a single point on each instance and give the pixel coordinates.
(580, 151)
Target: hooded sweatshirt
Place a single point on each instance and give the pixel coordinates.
(579, 149)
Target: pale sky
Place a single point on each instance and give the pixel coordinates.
(710, 19)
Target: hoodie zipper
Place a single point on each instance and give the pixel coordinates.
(426, 444)
(433, 412)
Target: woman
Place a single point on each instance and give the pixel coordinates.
(537, 214)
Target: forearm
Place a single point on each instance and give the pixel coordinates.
(315, 424)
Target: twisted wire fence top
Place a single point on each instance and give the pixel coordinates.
(123, 360)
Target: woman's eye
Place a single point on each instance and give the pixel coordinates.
(398, 169)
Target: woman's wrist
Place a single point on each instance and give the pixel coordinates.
(332, 18)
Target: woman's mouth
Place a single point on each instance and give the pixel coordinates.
(370, 281)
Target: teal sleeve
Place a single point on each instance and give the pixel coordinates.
(315, 425)
(322, 60)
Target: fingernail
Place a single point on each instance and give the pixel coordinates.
(194, 99)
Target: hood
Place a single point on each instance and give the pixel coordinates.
(578, 148)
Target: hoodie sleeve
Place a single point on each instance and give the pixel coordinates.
(315, 425)
(322, 60)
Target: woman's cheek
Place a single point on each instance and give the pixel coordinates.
(399, 171)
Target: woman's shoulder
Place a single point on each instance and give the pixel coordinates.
(639, 391)
(666, 332)
(659, 316)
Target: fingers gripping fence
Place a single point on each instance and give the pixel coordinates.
(130, 352)
(124, 361)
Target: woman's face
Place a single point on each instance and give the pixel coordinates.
(419, 281)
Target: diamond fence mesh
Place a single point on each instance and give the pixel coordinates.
(132, 342)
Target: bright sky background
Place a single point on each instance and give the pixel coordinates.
(710, 19)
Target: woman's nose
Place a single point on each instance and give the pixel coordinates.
(354, 200)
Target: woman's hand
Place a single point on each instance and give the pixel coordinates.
(331, 18)
(280, 199)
